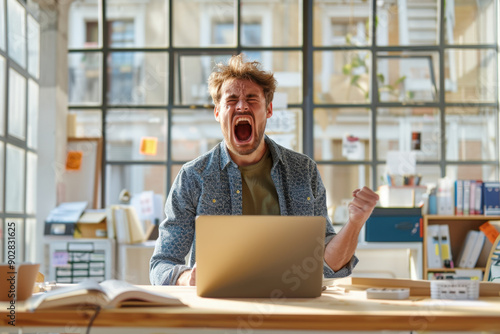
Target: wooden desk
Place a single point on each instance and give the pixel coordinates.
(342, 307)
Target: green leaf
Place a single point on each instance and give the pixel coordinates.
(348, 39)
(400, 80)
(346, 69)
(354, 80)
(380, 77)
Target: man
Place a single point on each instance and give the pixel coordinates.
(248, 173)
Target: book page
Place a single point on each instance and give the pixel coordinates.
(87, 292)
(123, 293)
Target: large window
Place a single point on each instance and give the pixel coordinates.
(19, 92)
(356, 80)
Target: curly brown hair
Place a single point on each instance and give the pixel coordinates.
(237, 68)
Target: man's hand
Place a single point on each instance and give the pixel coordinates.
(362, 205)
(188, 277)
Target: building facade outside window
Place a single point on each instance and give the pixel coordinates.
(356, 80)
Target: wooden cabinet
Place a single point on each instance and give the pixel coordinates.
(459, 226)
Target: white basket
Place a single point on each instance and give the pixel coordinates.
(455, 289)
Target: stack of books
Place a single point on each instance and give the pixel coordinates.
(477, 197)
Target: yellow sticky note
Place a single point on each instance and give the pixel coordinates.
(74, 160)
(149, 145)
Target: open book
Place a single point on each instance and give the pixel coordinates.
(108, 294)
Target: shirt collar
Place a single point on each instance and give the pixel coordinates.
(225, 159)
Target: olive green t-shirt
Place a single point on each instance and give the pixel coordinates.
(259, 193)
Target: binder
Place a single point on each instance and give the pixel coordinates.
(491, 198)
(433, 247)
(444, 240)
(459, 197)
(476, 250)
(466, 250)
(472, 197)
(466, 203)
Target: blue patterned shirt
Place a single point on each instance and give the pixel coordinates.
(211, 185)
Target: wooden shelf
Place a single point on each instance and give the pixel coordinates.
(459, 226)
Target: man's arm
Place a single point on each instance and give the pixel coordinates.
(176, 234)
(339, 251)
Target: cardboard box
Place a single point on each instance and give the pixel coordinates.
(394, 224)
(92, 224)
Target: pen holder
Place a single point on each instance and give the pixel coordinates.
(455, 289)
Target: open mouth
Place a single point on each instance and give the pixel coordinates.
(243, 129)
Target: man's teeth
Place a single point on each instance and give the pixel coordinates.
(243, 119)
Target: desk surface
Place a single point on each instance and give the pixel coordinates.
(341, 307)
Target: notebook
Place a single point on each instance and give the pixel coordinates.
(259, 256)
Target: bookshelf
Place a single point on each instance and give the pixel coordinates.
(459, 226)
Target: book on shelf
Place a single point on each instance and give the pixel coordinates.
(469, 197)
(458, 274)
(491, 198)
(445, 246)
(127, 226)
(433, 247)
(107, 294)
(471, 249)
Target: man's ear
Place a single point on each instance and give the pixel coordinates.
(269, 110)
(216, 113)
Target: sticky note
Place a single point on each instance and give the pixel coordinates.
(74, 160)
(149, 145)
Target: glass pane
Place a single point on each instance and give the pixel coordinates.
(3, 88)
(137, 78)
(472, 172)
(471, 134)
(33, 47)
(471, 76)
(17, 104)
(2, 151)
(201, 23)
(34, 8)
(31, 187)
(14, 227)
(137, 24)
(136, 135)
(429, 174)
(191, 75)
(410, 22)
(342, 134)
(287, 69)
(84, 78)
(471, 22)
(340, 181)
(285, 128)
(339, 22)
(85, 123)
(84, 24)
(33, 103)
(410, 78)
(277, 23)
(15, 180)
(17, 32)
(194, 132)
(409, 129)
(31, 239)
(135, 179)
(2, 27)
(342, 76)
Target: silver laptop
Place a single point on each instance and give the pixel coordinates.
(259, 256)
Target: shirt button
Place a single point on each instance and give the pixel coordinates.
(309, 198)
(237, 191)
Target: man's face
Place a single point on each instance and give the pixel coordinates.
(242, 114)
